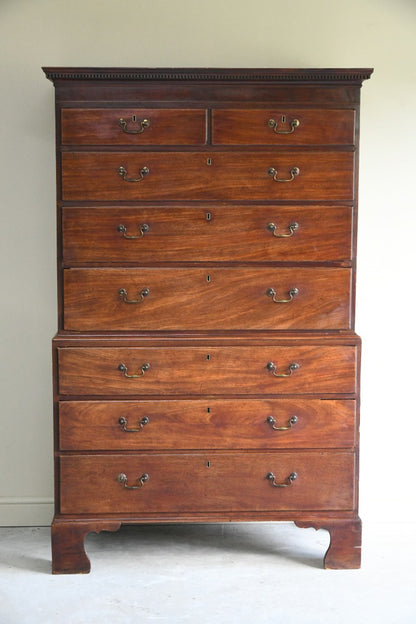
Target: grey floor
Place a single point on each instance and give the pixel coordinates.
(221, 574)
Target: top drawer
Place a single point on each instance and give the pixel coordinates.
(126, 126)
(283, 127)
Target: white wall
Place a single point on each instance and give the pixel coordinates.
(223, 33)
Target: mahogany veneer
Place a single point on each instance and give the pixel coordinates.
(178, 299)
(206, 367)
(206, 233)
(251, 127)
(233, 369)
(219, 482)
(168, 126)
(207, 176)
(175, 423)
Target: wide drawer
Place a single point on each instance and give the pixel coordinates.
(207, 481)
(139, 126)
(205, 233)
(208, 423)
(207, 370)
(299, 175)
(283, 126)
(205, 298)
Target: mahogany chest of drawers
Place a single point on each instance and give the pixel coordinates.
(206, 367)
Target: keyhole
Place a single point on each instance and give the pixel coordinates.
(208, 216)
(208, 410)
(209, 161)
(208, 278)
(133, 118)
(208, 464)
(283, 118)
(208, 359)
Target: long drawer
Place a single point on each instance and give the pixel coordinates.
(209, 481)
(207, 234)
(205, 298)
(112, 176)
(283, 127)
(137, 126)
(209, 423)
(205, 370)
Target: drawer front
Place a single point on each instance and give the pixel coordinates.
(204, 234)
(100, 371)
(125, 126)
(95, 176)
(209, 423)
(232, 298)
(207, 482)
(283, 127)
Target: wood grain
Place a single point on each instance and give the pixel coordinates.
(186, 175)
(205, 298)
(220, 423)
(187, 370)
(100, 126)
(207, 481)
(250, 126)
(206, 233)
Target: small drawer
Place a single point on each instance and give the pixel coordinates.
(208, 481)
(207, 298)
(136, 176)
(207, 234)
(209, 423)
(283, 126)
(202, 370)
(125, 126)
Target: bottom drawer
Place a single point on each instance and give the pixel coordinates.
(210, 481)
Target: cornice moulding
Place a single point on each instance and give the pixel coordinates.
(350, 76)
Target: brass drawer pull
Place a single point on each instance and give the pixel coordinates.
(272, 172)
(289, 480)
(143, 228)
(143, 294)
(270, 292)
(292, 367)
(123, 369)
(140, 481)
(122, 171)
(143, 124)
(292, 227)
(273, 124)
(123, 422)
(271, 421)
